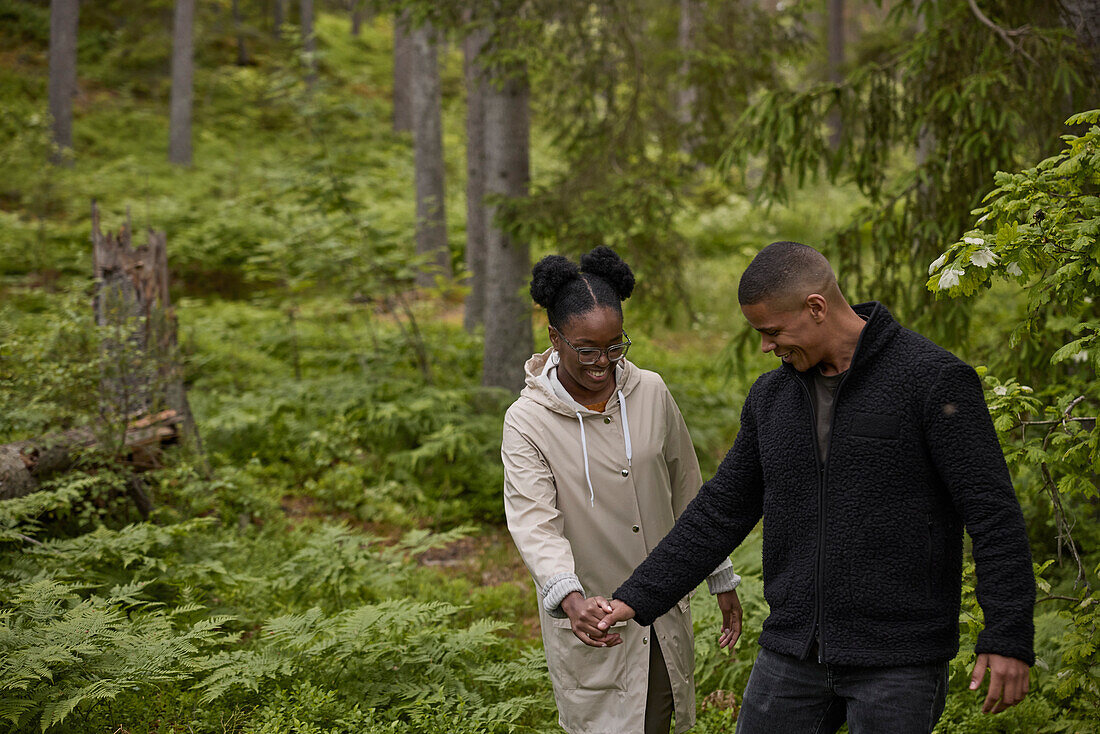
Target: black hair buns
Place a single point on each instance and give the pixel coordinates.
(604, 263)
(548, 277)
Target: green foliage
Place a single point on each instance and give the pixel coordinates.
(1044, 222)
(926, 119)
(91, 626)
(606, 86)
(49, 366)
(382, 443)
(717, 669)
(95, 649)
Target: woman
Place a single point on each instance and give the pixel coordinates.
(598, 464)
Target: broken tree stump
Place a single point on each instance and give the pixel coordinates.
(133, 309)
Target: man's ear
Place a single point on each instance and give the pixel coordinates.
(819, 307)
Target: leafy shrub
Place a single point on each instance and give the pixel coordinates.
(1045, 222)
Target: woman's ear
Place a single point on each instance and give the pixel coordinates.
(553, 337)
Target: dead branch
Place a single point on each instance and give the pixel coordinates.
(1065, 535)
(1006, 35)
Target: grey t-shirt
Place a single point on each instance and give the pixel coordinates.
(824, 394)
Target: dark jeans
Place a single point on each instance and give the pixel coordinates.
(786, 695)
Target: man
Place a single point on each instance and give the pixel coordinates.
(866, 453)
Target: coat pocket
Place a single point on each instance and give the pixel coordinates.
(875, 425)
(574, 665)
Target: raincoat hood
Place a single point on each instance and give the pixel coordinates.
(543, 386)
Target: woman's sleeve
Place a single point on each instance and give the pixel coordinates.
(684, 474)
(536, 524)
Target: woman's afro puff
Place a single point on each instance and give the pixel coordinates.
(548, 277)
(604, 263)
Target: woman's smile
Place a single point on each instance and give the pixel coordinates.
(598, 374)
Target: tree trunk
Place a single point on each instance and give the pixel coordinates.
(242, 49)
(431, 219)
(403, 54)
(179, 124)
(141, 373)
(687, 95)
(508, 339)
(474, 315)
(309, 41)
(926, 141)
(359, 15)
(64, 21)
(835, 62)
(1083, 17)
(278, 17)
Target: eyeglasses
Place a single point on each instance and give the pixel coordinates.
(591, 355)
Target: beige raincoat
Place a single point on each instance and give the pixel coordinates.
(587, 496)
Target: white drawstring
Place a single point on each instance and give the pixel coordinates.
(584, 446)
(587, 476)
(626, 426)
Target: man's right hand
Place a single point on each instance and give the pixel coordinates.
(585, 616)
(618, 611)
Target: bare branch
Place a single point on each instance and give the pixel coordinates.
(1006, 35)
(1064, 535)
(1054, 597)
(1058, 421)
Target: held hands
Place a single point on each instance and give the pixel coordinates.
(1008, 681)
(585, 616)
(619, 611)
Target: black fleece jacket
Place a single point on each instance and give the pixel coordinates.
(863, 548)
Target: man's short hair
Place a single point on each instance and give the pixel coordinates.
(784, 270)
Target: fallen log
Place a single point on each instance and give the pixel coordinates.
(25, 464)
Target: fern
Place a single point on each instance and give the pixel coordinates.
(59, 652)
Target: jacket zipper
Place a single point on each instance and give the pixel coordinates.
(822, 482)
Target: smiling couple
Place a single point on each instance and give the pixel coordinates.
(866, 453)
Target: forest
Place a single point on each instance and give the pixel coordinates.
(264, 272)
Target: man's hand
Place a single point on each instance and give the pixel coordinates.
(584, 614)
(1008, 681)
(620, 611)
(730, 604)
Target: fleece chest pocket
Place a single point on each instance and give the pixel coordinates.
(875, 425)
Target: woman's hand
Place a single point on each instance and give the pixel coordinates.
(585, 614)
(730, 604)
